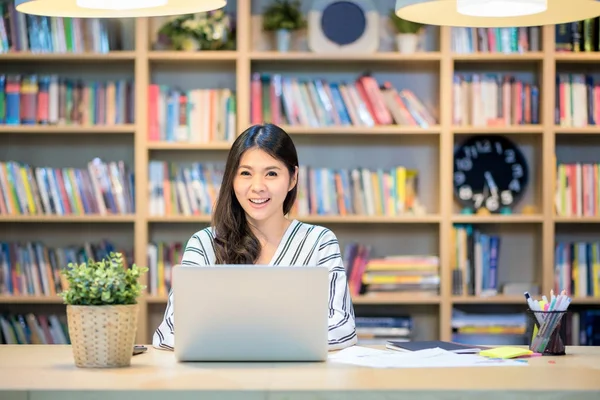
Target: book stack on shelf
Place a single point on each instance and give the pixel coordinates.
(357, 119)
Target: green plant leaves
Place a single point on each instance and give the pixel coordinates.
(283, 14)
(102, 282)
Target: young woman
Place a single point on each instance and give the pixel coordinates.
(249, 226)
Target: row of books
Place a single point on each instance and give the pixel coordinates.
(494, 100)
(577, 187)
(54, 99)
(489, 328)
(33, 268)
(506, 40)
(577, 268)
(192, 188)
(408, 274)
(577, 100)
(183, 188)
(474, 261)
(193, 116)
(29, 328)
(578, 36)
(318, 103)
(357, 191)
(376, 331)
(100, 189)
(40, 34)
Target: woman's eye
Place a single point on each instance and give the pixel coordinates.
(272, 173)
(245, 173)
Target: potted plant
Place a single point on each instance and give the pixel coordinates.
(283, 17)
(211, 30)
(102, 310)
(408, 33)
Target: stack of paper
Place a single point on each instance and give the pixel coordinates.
(429, 358)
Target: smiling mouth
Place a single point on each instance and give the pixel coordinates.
(259, 201)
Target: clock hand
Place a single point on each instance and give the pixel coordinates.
(491, 183)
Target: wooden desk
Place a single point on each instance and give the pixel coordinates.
(47, 372)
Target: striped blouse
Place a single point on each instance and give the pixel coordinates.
(302, 244)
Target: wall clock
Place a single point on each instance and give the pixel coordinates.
(489, 172)
(343, 26)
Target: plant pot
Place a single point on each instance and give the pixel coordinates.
(102, 336)
(407, 42)
(283, 39)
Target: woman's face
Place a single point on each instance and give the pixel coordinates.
(261, 184)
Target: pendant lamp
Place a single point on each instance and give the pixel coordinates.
(496, 13)
(115, 8)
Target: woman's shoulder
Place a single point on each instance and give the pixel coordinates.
(204, 236)
(317, 232)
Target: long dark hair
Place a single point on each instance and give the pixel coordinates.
(234, 241)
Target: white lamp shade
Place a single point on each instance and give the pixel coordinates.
(115, 8)
(446, 12)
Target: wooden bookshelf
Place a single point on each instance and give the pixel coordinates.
(242, 62)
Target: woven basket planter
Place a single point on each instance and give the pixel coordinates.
(102, 336)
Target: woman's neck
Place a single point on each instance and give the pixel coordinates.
(270, 231)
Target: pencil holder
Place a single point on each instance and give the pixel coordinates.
(547, 332)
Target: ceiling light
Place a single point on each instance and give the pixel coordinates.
(115, 8)
(496, 13)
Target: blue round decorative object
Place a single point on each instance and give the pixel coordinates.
(343, 22)
(506, 210)
(467, 211)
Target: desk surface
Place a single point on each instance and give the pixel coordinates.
(51, 367)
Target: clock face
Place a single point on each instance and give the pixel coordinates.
(489, 172)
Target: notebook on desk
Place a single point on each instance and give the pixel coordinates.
(431, 344)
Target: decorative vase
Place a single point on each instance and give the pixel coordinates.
(102, 336)
(407, 42)
(283, 39)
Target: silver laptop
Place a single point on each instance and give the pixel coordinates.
(250, 313)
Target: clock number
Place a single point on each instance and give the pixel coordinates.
(506, 197)
(517, 171)
(459, 178)
(499, 147)
(491, 203)
(514, 185)
(510, 156)
(465, 192)
(484, 146)
(478, 199)
(464, 164)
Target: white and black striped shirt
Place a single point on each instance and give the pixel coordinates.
(302, 244)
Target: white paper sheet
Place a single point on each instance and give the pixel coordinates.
(429, 358)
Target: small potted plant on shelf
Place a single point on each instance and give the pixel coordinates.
(408, 33)
(211, 30)
(102, 310)
(283, 17)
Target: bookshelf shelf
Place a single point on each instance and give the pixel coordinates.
(500, 299)
(191, 56)
(30, 299)
(586, 130)
(360, 130)
(498, 57)
(68, 218)
(576, 220)
(429, 75)
(317, 57)
(185, 146)
(68, 57)
(498, 219)
(368, 299)
(577, 57)
(68, 129)
(509, 130)
(347, 219)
